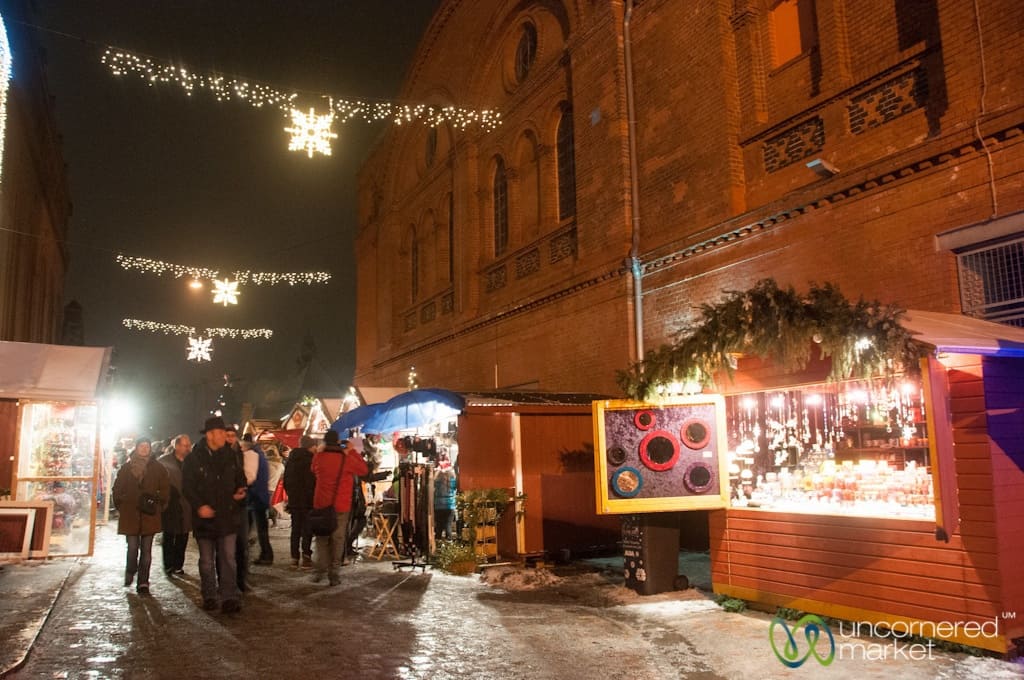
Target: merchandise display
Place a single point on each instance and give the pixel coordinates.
(856, 448)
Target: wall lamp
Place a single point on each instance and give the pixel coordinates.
(823, 168)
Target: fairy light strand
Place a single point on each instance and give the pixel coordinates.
(156, 72)
(182, 329)
(159, 268)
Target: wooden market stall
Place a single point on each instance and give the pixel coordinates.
(918, 521)
(50, 441)
(541, 445)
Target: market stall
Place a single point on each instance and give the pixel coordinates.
(884, 501)
(52, 392)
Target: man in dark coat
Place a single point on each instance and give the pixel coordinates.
(299, 483)
(177, 518)
(214, 484)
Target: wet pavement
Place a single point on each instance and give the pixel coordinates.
(380, 623)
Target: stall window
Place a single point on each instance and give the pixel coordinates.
(858, 448)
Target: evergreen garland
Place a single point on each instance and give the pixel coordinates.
(780, 325)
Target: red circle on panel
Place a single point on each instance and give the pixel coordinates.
(660, 462)
(644, 420)
(695, 433)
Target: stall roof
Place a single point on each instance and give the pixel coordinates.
(378, 395)
(30, 370)
(959, 334)
(500, 398)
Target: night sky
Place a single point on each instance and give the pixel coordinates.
(198, 182)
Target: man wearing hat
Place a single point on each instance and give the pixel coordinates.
(214, 484)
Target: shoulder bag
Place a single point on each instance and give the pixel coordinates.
(324, 521)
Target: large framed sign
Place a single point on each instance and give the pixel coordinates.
(660, 457)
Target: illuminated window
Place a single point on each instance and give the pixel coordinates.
(526, 52)
(500, 197)
(566, 149)
(793, 29)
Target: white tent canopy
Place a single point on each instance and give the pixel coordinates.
(51, 372)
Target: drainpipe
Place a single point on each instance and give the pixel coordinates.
(633, 262)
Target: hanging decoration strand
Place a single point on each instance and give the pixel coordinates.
(154, 72)
(181, 329)
(160, 268)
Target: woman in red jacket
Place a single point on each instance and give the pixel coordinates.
(335, 469)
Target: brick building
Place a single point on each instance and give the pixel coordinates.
(35, 203)
(874, 144)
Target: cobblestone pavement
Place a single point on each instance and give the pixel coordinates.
(379, 623)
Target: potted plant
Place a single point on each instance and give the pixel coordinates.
(456, 557)
(482, 506)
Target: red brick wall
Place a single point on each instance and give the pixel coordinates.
(725, 197)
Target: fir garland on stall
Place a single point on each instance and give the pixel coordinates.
(863, 339)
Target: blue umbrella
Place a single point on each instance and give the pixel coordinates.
(357, 417)
(413, 409)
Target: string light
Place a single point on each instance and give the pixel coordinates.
(199, 349)
(5, 79)
(225, 292)
(154, 72)
(311, 132)
(159, 267)
(181, 329)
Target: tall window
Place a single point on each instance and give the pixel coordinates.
(451, 237)
(794, 29)
(500, 193)
(526, 52)
(566, 150)
(414, 264)
(430, 149)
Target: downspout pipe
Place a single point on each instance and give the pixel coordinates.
(633, 262)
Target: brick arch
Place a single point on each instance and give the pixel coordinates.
(527, 187)
(405, 165)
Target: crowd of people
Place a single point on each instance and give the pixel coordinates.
(216, 489)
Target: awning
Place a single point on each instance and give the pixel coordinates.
(31, 370)
(959, 334)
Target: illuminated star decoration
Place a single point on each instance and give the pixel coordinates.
(225, 292)
(311, 132)
(199, 349)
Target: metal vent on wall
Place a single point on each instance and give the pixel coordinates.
(992, 282)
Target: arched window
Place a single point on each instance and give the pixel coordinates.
(526, 52)
(500, 193)
(414, 264)
(528, 190)
(430, 151)
(451, 237)
(566, 150)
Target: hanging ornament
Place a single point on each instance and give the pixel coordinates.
(311, 132)
(225, 292)
(199, 349)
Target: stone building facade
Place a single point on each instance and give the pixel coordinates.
(666, 151)
(35, 203)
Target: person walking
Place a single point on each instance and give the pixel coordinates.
(336, 469)
(299, 482)
(177, 518)
(258, 501)
(213, 482)
(140, 493)
(249, 462)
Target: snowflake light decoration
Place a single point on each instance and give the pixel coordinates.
(225, 292)
(199, 349)
(311, 132)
